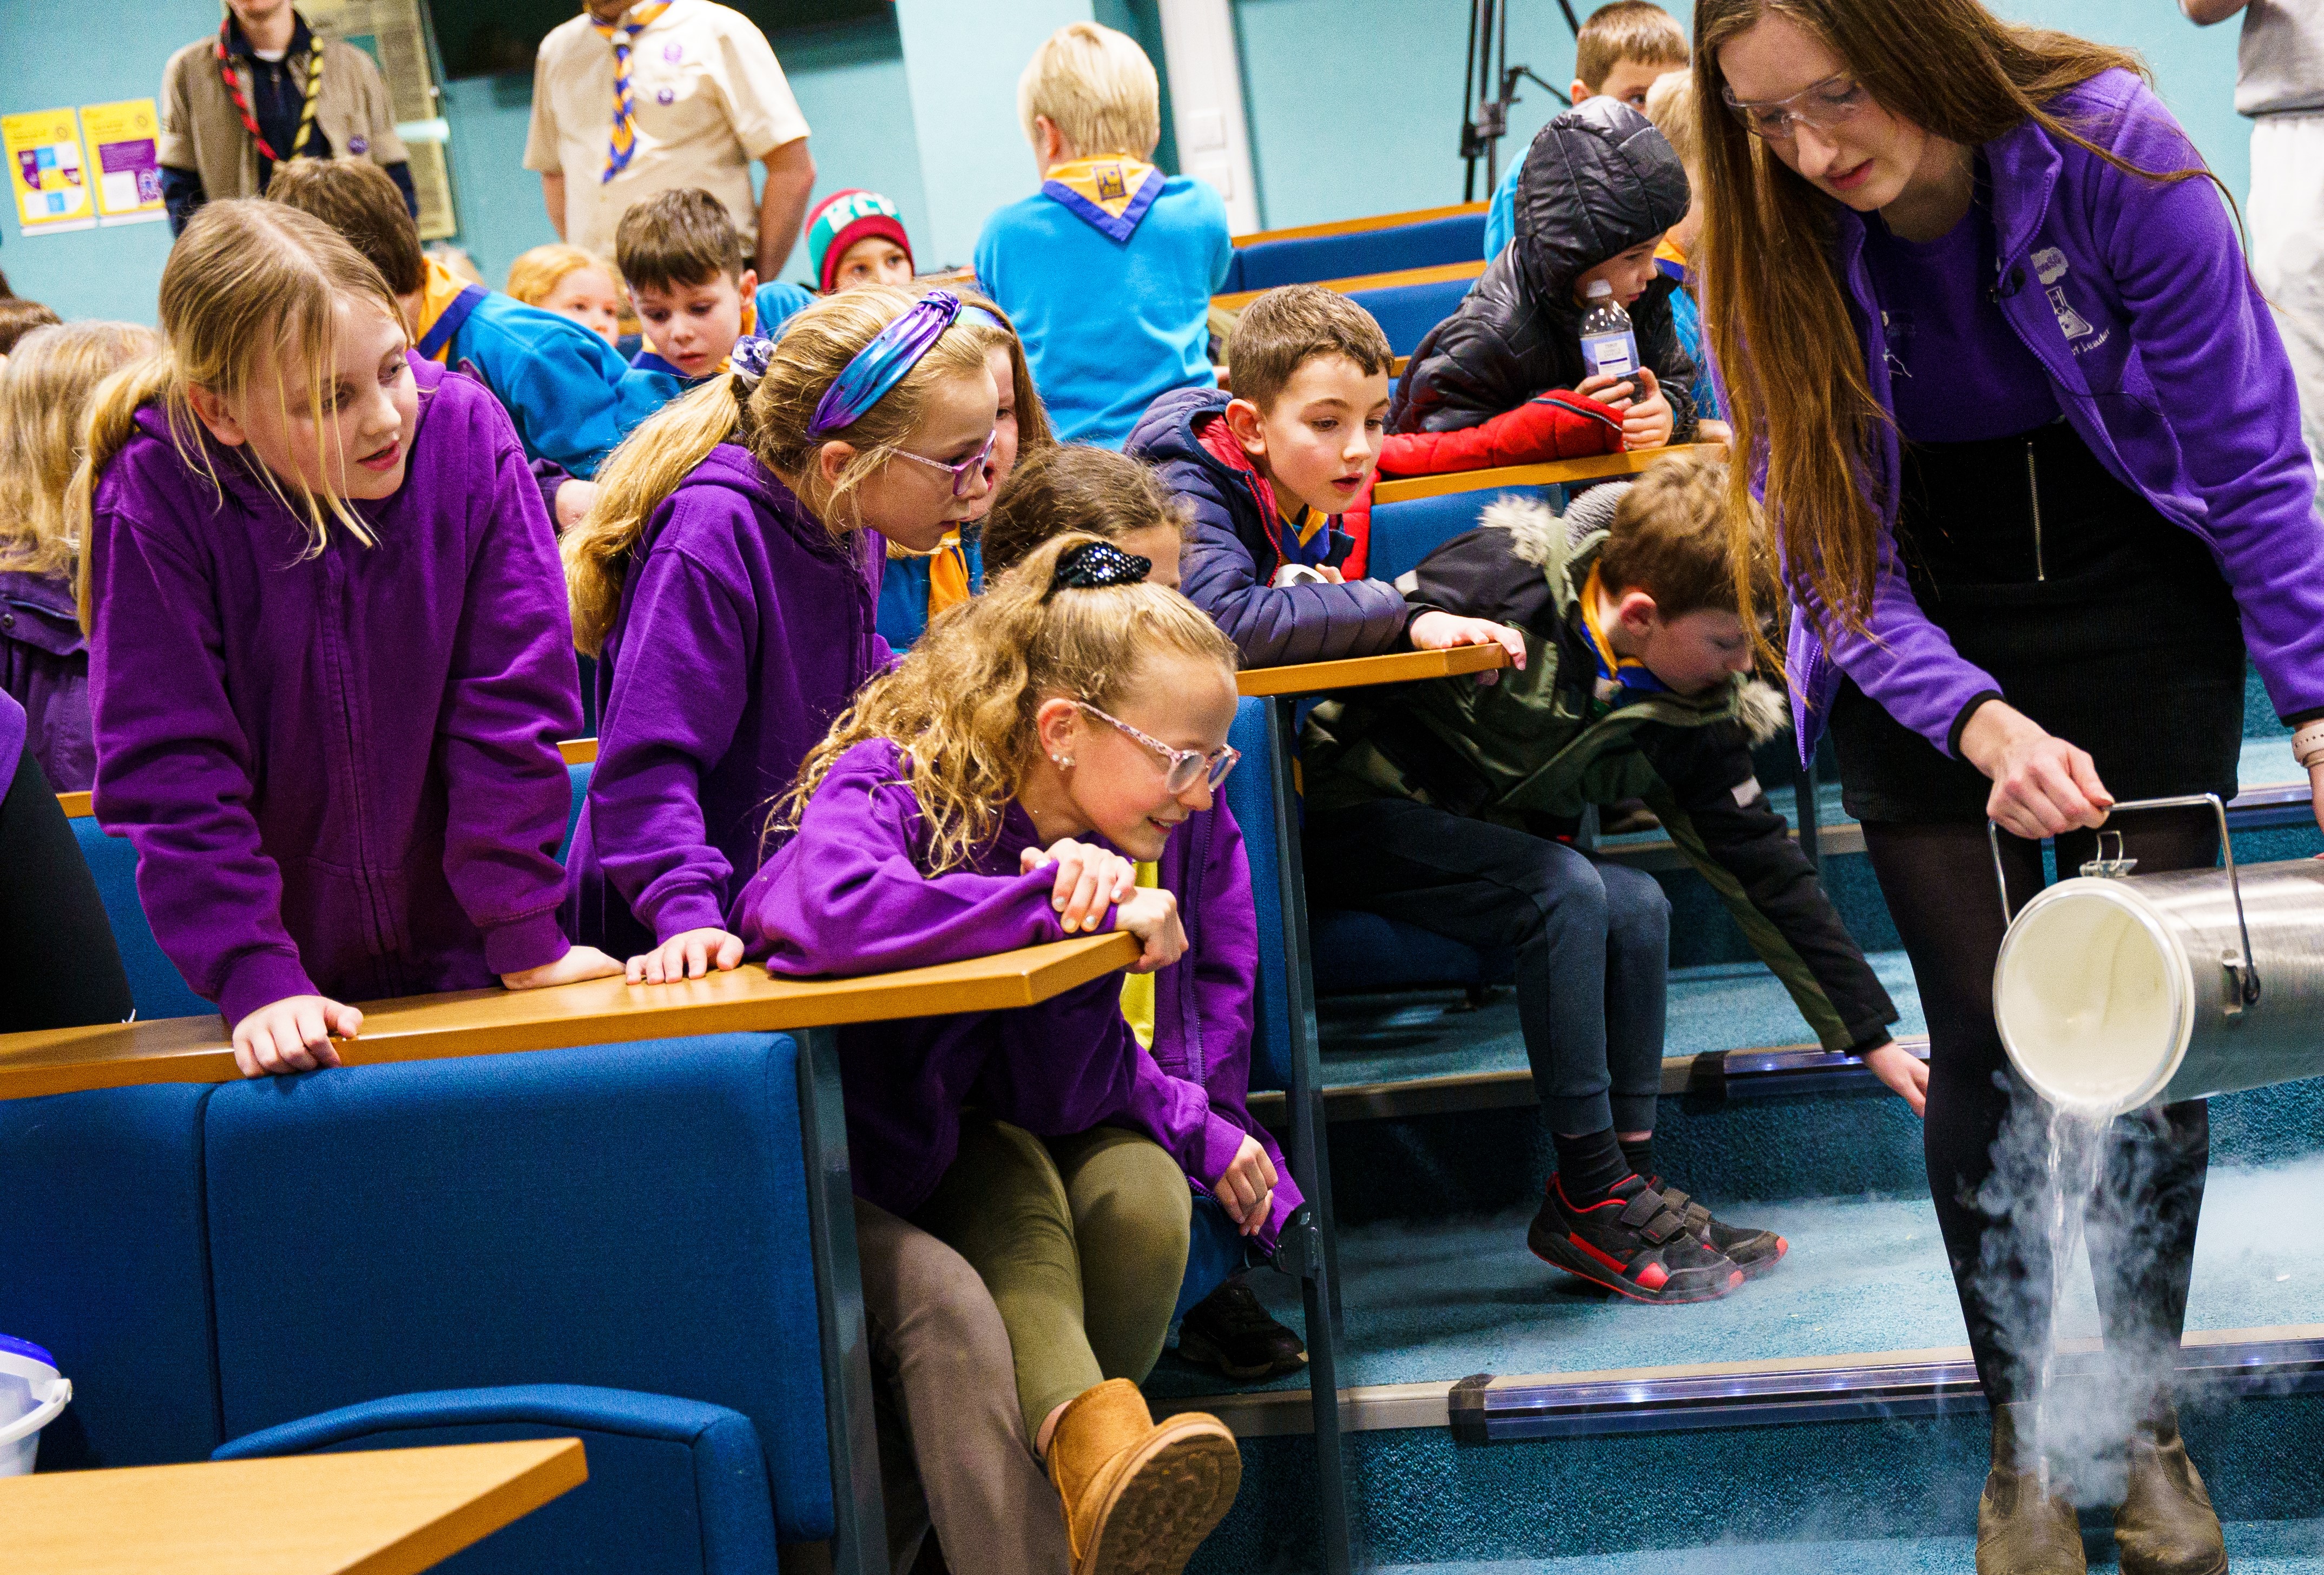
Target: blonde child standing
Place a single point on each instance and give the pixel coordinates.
(567, 280)
(330, 662)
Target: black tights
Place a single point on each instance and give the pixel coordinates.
(1939, 882)
(59, 967)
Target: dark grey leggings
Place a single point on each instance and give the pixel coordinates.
(59, 967)
(1939, 883)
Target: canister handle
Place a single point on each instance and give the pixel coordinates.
(2242, 974)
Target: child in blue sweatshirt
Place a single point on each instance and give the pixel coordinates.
(1109, 269)
(688, 271)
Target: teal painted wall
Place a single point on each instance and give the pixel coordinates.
(1353, 103)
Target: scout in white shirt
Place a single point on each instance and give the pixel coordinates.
(705, 96)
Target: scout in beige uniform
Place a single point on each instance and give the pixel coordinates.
(631, 101)
(258, 93)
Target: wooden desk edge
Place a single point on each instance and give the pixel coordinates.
(1597, 467)
(577, 752)
(197, 1050)
(1404, 666)
(553, 1476)
(1434, 273)
(1357, 226)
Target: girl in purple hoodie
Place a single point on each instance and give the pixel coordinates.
(329, 660)
(726, 580)
(991, 793)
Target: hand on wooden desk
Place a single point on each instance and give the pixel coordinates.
(1434, 630)
(1151, 915)
(292, 1034)
(1089, 879)
(689, 956)
(579, 963)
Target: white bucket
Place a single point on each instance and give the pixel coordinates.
(2116, 991)
(32, 1395)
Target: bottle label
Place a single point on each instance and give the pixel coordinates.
(1616, 354)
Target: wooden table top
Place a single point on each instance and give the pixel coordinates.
(384, 1512)
(1437, 273)
(1596, 468)
(599, 1011)
(1403, 667)
(1379, 221)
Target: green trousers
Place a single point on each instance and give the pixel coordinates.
(1081, 1242)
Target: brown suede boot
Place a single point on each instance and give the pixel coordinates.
(2021, 1530)
(1140, 1495)
(2166, 1525)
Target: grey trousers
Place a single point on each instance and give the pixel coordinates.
(954, 1456)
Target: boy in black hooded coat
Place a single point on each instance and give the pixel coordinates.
(1599, 181)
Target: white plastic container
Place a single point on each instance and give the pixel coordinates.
(2116, 990)
(32, 1395)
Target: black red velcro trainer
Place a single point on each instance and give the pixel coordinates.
(1632, 1243)
(1753, 1250)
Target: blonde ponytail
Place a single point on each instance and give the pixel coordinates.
(630, 486)
(112, 419)
(815, 347)
(962, 704)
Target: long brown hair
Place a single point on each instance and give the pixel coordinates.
(962, 703)
(1797, 391)
(44, 394)
(815, 348)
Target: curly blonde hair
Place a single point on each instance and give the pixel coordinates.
(962, 704)
(44, 398)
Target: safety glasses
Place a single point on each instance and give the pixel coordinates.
(1185, 767)
(1821, 105)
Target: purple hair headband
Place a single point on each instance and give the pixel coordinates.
(884, 363)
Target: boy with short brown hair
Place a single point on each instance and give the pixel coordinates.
(1618, 54)
(690, 279)
(1275, 476)
(1456, 807)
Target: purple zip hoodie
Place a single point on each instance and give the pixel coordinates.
(44, 664)
(848, 896)
(744, 628)
(2135, 297)
(339, 769)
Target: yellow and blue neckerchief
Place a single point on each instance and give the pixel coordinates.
(1618, 677)
(623, 35)
(1111, 195)
(446, 301)
(1309, 540)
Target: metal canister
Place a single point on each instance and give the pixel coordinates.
(2114, 991)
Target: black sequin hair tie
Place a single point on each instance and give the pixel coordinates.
(1093, 563)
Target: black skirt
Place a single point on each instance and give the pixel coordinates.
(2097, 616)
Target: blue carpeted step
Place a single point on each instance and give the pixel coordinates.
(2264, 1547)
(1436, 1302)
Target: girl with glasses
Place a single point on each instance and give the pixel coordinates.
(725, 581)
(997, 790)
(2031, 455)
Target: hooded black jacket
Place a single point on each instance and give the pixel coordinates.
(1597, 180)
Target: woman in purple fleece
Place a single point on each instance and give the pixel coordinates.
(1070, 716)
(2032, 448)
(727, 580)
(330, 659)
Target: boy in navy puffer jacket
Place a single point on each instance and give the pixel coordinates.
(1273, 477)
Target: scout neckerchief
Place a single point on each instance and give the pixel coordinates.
(1671, 261)
(1306, 541)
(648, 359)
(621, 36)
(223, 49)
(1618, 678)
(948, 576)
(1110, 194)
(446, 299)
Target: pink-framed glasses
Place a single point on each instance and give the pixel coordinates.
(966, 471)
(1185, 767)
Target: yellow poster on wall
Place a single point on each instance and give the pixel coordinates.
(45, 171)
(123, 141)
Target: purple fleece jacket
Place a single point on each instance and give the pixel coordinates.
(744, 628)
(848, 896)
(339, 769)
(44, 664)
(2135, 297)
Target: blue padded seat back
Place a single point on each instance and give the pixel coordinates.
(1364, 953)
(631, 1216)
(155, 985)
(1250, 796)
(578, 775)
(1404, 533)
(1313, 258)
(1406, 312)
(102, 1263)
(675, 1488)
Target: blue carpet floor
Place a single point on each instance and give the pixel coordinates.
(2289, 1547)
(1435, 1303)
(1735, 1005)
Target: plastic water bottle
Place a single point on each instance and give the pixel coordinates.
(1608, 346)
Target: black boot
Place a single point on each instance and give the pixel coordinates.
(2166, 1524)
(1231, 1333)
(2023, 1525)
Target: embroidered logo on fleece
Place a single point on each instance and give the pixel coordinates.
(2049, 267)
